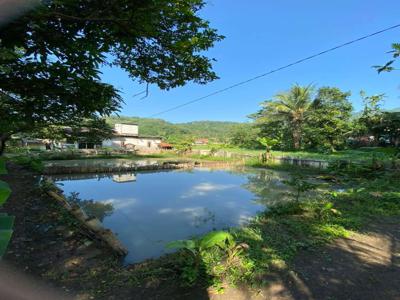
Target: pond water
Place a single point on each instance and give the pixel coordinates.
(149, 209)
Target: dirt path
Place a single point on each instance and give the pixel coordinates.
(364, 266)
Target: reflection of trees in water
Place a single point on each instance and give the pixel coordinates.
(97, 176)
(268, 187)
(208, 217)
(100, 210)
(130, 176)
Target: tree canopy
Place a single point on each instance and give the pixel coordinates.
(50, 58)
(301, 118)
(328, 123)
(289, 109)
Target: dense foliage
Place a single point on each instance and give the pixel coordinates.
(50, 58)
(328, 124)
(323, 120)
(300, 119)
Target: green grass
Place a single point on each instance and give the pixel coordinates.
(355, 155)
(28, 161)
(276, 236)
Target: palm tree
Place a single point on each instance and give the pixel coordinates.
(291, 108)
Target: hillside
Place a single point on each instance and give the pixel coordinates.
(215, 130)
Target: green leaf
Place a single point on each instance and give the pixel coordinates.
(6, 222)
(5, 192)
(3, 169)
(5, 236)
(181, 244)
(216, 238)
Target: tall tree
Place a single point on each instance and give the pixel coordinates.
(329, 119)
(289, 109)
(50, 58)
(244, 136)
(368, 122)
(378, 123)
(389, 127)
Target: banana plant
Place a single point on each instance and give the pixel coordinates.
(6, 221)
(268, 143)
(221, 239)
(197, 249)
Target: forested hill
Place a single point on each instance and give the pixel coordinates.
(214, 130)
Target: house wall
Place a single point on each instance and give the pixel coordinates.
(126, 129)
(137, 143)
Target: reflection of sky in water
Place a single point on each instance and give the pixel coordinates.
(152, 209)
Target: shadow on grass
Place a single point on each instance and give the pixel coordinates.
(290, 262)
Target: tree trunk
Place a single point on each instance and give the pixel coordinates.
(296, 135)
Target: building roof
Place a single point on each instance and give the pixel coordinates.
(126, 124)
(165, 145)
(125, 134)
(137, 136)
(150, 137)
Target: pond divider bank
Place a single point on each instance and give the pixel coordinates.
(115, 167)
(313, 163)
(91, 225)
(297, 161)
(120, 166)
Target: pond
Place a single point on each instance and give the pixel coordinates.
(149, 209)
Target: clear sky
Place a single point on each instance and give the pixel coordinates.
(265, 34)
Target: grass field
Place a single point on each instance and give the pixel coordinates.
(361, 154)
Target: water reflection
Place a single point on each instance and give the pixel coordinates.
(148, 209)
(268, 187)
(93, 208)
(124, 177)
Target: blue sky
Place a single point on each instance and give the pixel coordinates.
(265, 34)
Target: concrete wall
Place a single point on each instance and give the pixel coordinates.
(137, 143)
(126, 129)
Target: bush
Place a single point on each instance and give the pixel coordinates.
(29, 162)
(215, 256)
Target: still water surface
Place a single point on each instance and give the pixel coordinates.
(149, 209)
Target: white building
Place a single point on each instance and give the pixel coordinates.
(126, 136)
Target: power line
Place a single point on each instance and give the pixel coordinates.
(275, 70)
